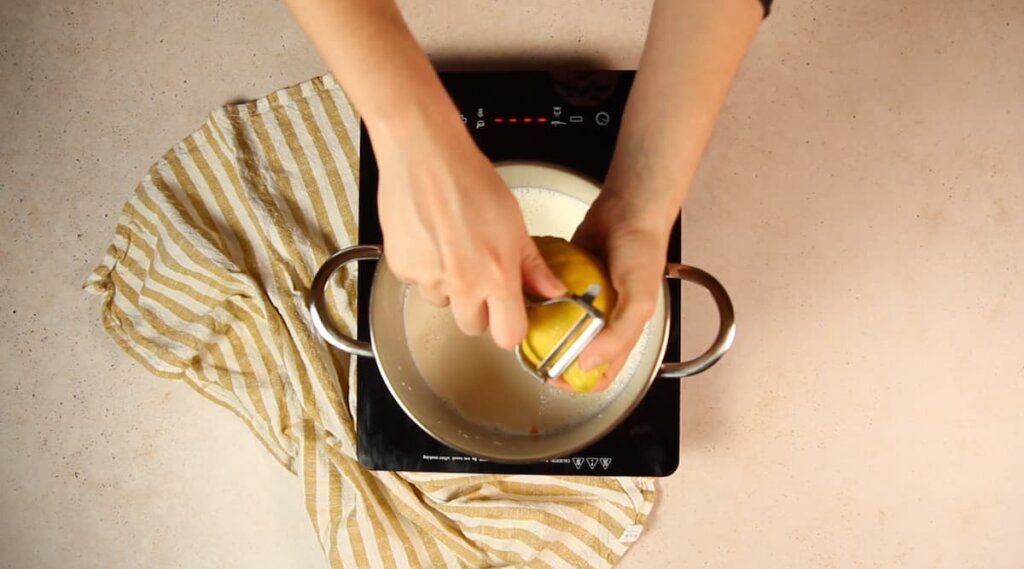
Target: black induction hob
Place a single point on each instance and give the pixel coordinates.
(565, 118)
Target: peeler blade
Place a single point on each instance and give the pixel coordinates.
(572, 344)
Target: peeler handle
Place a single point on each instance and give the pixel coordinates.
(318, 298)
(726, 326)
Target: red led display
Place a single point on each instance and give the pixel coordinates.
(519, 119)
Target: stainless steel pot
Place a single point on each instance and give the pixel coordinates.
(390, 348)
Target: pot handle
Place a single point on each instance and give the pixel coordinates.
(726, 326)
(318, 298)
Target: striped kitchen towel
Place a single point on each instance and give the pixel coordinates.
(206, 281)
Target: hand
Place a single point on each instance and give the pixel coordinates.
(452, 228)
(632, 239)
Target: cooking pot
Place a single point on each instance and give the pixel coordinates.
(389, 343)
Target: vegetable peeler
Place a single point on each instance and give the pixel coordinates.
(573, 342)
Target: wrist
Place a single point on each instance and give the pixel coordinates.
(646, 194)
(628, 209)
(398, 89)
(404, 116)
(422, 121)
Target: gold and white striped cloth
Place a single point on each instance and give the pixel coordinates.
(206, 281)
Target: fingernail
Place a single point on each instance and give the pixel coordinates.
(589, 362)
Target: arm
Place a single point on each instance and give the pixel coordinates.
(369, 49)
(693, 50)
(443, 209)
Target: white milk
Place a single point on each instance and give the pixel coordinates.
(484, 383)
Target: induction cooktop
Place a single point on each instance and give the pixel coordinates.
(566, 118)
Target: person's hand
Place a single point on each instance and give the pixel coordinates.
(452, 228)
(632, 240)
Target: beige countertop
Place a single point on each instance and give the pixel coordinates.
(862, 198)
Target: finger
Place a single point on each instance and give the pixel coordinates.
(536, 275)
(560, 383)
(470, 315)
(507, 317)
(602, 384)
(619, 336)
(433, 295)
(613, 370)
(605, 381)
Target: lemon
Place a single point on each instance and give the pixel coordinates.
(577, 269)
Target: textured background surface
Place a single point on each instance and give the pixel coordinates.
(861, 199)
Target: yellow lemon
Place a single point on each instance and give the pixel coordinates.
(577, 269)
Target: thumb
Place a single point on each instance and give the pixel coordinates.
(537, 276)
(635, 305)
